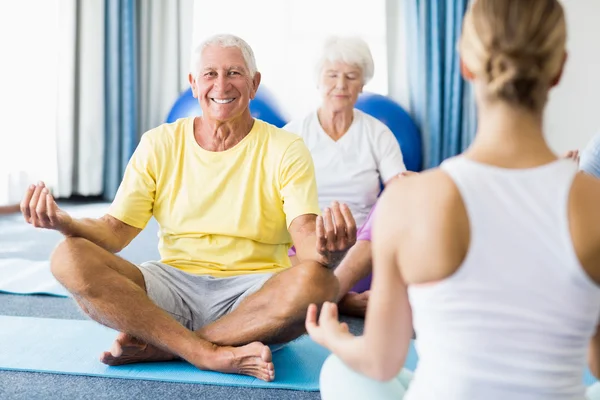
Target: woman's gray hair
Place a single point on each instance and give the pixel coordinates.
(224, 40)
(349, 50)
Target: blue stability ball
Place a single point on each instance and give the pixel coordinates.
(263, 107)
(400, 123)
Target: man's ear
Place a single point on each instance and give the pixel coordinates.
(255, 85)
(192, 81)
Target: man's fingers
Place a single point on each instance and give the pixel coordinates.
(33, 203)
(25, 203)
(51, 209)
(350, 224)
(41, 209)
(340, 227)
(338, 219)
(321, 238)
(329, 229)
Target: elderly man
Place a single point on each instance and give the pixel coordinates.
(231, 195)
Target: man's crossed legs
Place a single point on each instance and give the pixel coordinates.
(114, 292)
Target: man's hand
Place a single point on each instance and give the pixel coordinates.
(336, 233)
(40, 210)
(354, 304)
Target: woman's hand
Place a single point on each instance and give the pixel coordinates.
(328, 331)
(573, 155)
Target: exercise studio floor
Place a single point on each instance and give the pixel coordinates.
(20, 241)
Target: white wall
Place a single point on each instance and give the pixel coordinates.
(573, 112)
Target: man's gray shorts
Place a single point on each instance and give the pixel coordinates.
(197, 300)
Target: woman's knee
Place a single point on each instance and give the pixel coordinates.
(338, 381)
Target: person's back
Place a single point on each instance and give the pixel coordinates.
(514, 318)
(507, 307)
(494, 256)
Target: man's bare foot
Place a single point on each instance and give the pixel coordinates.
(127, 350)
(253, 359)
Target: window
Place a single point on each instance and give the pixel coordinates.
(29, 79)
(286, 37)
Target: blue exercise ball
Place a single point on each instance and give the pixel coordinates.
(400, 123)
(263, 107)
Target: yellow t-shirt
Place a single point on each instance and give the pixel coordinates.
(220, 213)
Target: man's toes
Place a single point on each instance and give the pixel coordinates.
(266, 354)
(106, 358)
(116, 350)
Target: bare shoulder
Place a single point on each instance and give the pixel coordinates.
(586, 186)
(417, 196)
(425, 212)
(584, 222)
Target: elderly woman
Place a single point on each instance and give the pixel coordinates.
(353, 152)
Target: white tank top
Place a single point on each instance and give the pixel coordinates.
(515, 320)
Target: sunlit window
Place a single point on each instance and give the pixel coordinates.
(287, 35)
(28, 98)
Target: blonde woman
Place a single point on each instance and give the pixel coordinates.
(494, 257)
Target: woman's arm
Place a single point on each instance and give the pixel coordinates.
(380, 353)
(594, 355)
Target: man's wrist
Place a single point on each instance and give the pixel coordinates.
(68, 228)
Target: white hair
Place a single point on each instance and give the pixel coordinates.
(349, 50)
(224, 40)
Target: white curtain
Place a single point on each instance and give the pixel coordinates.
(165, 38)
(53, 87)
(28, 37)
(163, 31)
(80, 107)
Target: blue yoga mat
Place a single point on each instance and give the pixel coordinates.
(73, 347)
(21, 276)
